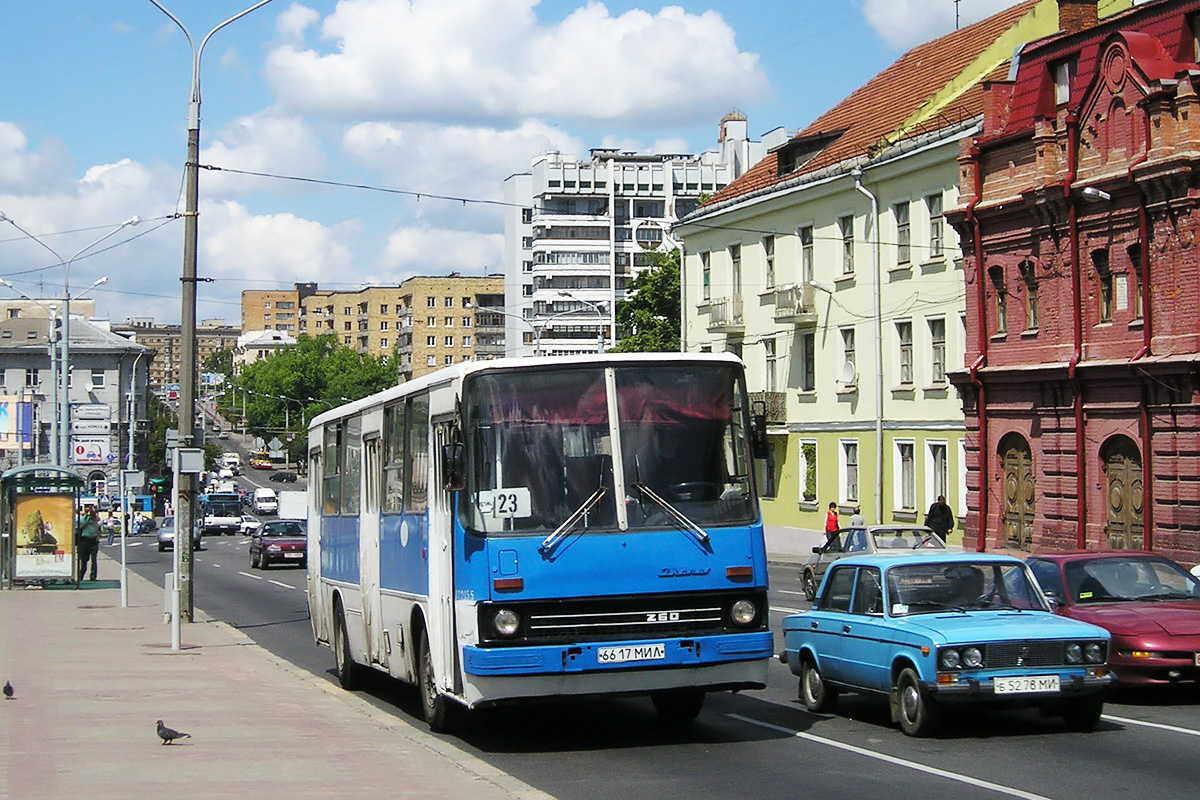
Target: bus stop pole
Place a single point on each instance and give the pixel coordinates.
(124, 531)
(176, 554)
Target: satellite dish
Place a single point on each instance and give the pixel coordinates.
(849, 377)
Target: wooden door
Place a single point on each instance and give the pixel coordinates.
(1123, 473)
(1020, 493)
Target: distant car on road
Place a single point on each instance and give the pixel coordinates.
(166, 536)
(280, 541)
(283, 477)
(1150, 604)
(249, 524)
(928, 631)
(260, 463)
(888, 539)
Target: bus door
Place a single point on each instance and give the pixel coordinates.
(442, 638)
(316, 592)
(369, 531)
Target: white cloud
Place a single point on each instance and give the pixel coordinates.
(267, 250)
(437, 251)
(260, 143)
(470, 60)
(904, 24)
(293, 22)
(21, 168)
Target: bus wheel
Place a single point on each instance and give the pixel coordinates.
(348, 673)
(678, 706)
(434, 705)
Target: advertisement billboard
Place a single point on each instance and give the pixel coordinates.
(16, 421)
(45, 541)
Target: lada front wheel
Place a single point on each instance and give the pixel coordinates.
(817, 696)
(916, 713)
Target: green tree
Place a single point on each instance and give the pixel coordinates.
(649, 316)
(219, 361)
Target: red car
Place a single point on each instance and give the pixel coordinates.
(280, 541)
(1149, 604)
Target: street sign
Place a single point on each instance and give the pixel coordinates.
(90, 411)
(91, 449)
(90, 426)
(275, 444)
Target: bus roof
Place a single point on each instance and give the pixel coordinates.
(459, 371)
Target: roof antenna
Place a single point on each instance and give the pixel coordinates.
(956, 2)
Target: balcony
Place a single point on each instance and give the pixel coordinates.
(795, 305)
(725, 315)
(775, 405)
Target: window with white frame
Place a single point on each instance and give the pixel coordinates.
(431, 361)
(848, 467)
(768, 245)
(735, 269)
(808, 362)
(31, 377)
(808, 470)
(806, 255)
(430, 302)
(96, 378)
(937, 470)
(431, 341)
(449, 341)
(848, 357)
(937, 224)
(383, 342)
(769, 350)
(937, 350)
(905, 475)
(903, 233)
(846, 229)
(904, 342)
(706, 275)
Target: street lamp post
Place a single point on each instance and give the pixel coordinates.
(599, 309)
(187, 377)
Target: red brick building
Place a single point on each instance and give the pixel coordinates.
(1079, 219)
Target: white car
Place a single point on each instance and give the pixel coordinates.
(249, 525)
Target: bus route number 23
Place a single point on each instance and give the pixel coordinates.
(506, 503)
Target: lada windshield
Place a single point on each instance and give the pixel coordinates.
(965, 585)
(542, 447)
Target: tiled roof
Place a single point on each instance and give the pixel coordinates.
(882, 106)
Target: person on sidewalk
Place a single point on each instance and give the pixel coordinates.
(831, 520)
(88, 539)
(940, 518)
(110, 526)
(857, 520)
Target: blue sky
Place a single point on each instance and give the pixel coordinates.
(446, 97)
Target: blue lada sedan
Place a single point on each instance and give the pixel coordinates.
(927, 631)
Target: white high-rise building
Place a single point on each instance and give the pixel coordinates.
(576, 231)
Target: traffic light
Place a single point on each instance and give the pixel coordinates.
(158, 487)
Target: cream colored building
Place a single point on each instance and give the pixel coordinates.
(275, 309)
(166, 340)
(828, 267)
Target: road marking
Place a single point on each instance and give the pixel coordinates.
(284, 585)
(1159, 725)
(787, 591)
(900, 762)
(785, 610)
(251, 575)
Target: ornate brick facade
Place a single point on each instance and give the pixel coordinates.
(1080, 206)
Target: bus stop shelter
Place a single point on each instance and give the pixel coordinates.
(37, 525)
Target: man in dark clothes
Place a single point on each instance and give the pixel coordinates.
(940, 518)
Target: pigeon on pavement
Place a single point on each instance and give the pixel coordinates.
(167, 735)
(8, 691)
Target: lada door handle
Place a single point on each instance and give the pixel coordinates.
(814, 625)
(845, 629)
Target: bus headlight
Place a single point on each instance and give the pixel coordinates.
(743, 612)
(506, 622)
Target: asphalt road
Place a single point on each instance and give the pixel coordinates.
(754, 744)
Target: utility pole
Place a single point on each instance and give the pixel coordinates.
(185, 511)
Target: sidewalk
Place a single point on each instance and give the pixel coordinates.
(91, 678)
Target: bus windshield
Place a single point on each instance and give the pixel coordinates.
(540, 448)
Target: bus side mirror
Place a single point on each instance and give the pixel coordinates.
(453, 467)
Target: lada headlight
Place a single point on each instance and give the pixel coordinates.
(1074, 653)
(743, 612)
(506, 622)
(950, 658)
(1094, 653)
(972, 657)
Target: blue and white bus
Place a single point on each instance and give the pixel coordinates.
(523, 528)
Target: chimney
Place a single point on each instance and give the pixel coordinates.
(1077, 15)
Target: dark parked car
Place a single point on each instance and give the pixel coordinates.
(928, 631)
(283, 477)
(280, 541)
(1149, 604)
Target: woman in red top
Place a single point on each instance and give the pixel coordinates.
(831, 520)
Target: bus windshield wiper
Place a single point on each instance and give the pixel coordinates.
(569, 523)
(674, 513)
